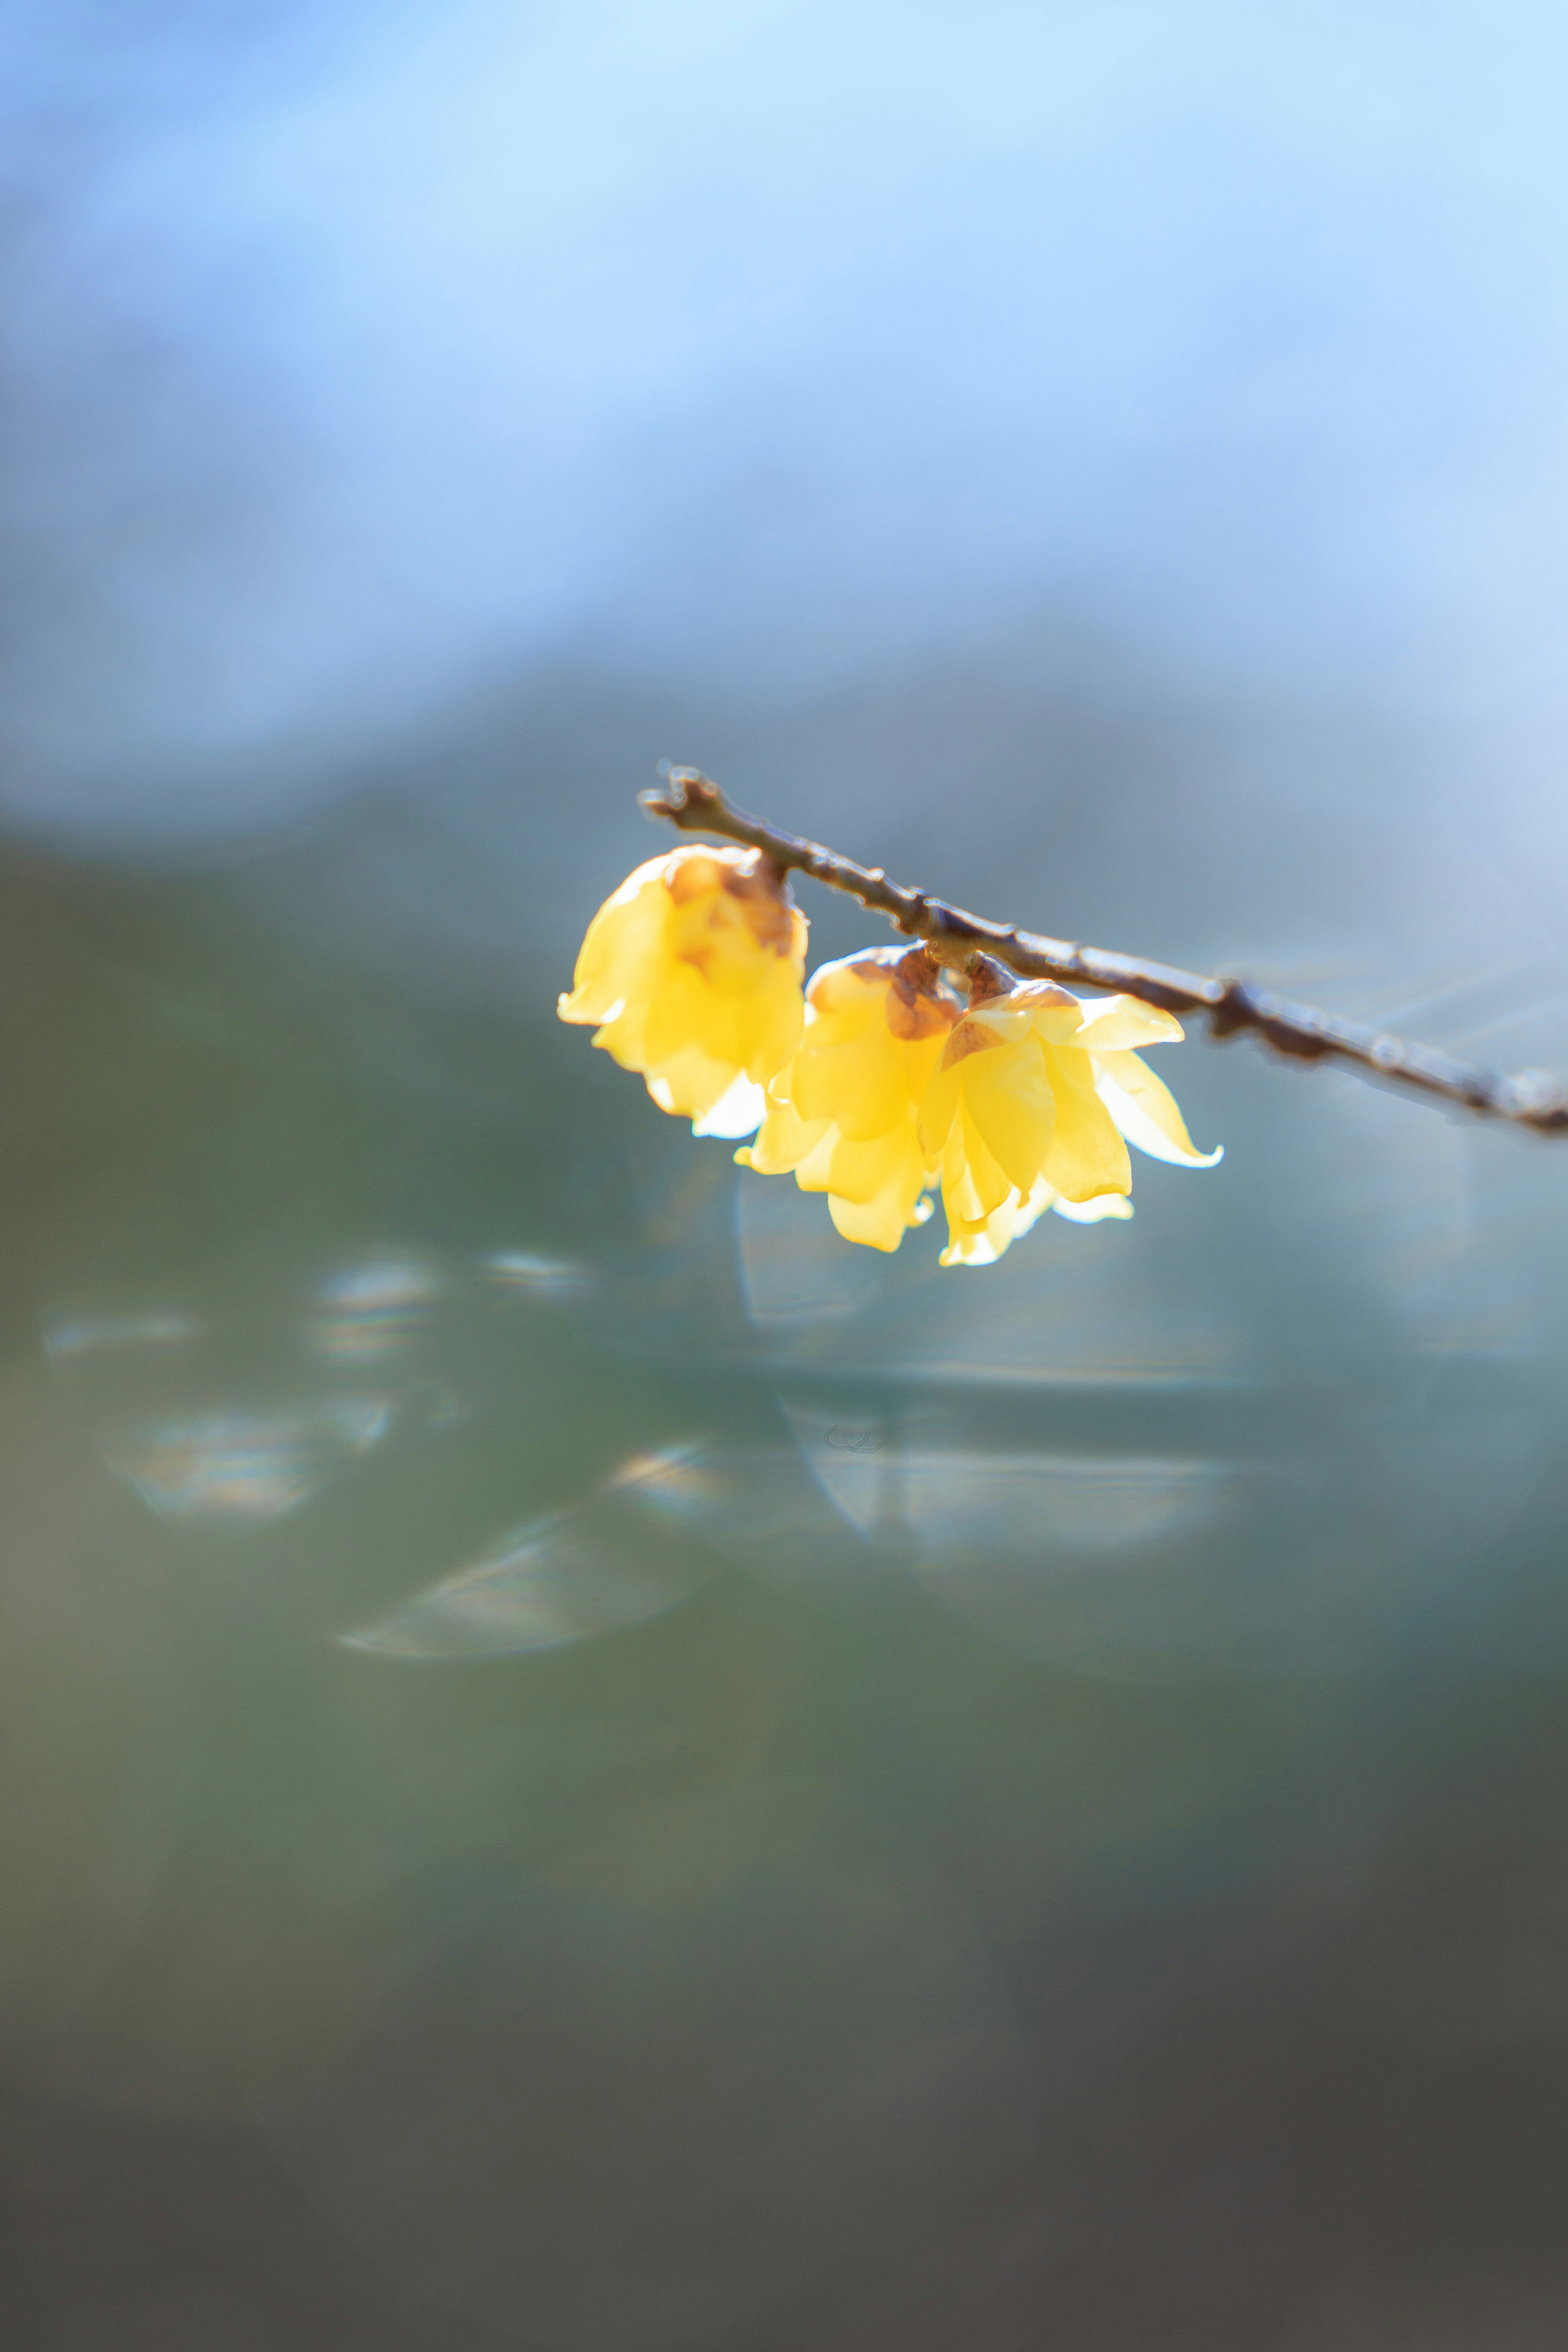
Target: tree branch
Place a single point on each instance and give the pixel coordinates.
(1533, 1099)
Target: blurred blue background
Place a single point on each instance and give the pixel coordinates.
(586, 1766)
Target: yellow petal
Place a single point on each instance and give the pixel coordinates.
(984, 1244)
(981, 1184)
(623, 1034)
(815, 1171)
(1054, 1015)
(693, 971)
(1005, 1019)
(850, 990)
(876, 1224)
(882, 1218)
(970, 1249)
(624, 942)
(678, 1011)
(711, 933)
(859, 1171)
(769, 1028)
(1146, 1110)
(861, 1085)
(783, 1141)
(1016, 1219)
(1092, 1212)
(938, 1107)
(1112, 1022)
(689, 1083)
(1007, 1097)
(1086, 1155)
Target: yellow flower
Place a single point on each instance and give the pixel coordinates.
(1029, 1109)
(843, 1114)
(693, 971)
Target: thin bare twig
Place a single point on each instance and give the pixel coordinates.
(1533, 1099)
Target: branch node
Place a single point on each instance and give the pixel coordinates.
(1233, 1009)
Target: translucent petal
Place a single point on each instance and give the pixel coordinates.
(938, 1107)
(1146, 1110)
(984, 1244)
(622, 1036)
(960, 1202)
(880, 1224)
(1009, 1100)
(683, 1011)
(851, 990)
(771, 1028)
(711, 933)
(1087, 1156)
(1092, 1212)
(969, 1035)
(1014, 1220)
(988, 1183)
(971, 1249)
(625, 943)
(693, 971)
(814, 1172)
(1005, 1020)
(689, 1084)
(1057, 1025)
(863, 1085)
(860, 1171)
(783, 1141)
(1043, 996)
(1113, 1021)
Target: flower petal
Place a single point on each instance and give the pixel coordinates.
(624, 942)
(938, 1107)
(984, 1244)
(1086, 1156)
(1007, 1097)
(815, 1171)
(1092, 1212)
(853, 989)
(1111, 1022)
(986, 1182)
(693, 971)
(861, 1085)
(783, 1141)
(690, 1083)
(1054, 1015)
(859, 1171)
(879, 1225)
(1145, 1111)
(1003, 1019)
(769, 1031)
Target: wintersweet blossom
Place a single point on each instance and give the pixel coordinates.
(1037, 1096)
(693, 972)
(843, 1113)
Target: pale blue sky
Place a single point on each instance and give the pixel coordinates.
(359, 360)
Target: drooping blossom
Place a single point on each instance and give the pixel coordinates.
(843, 1113)
(692, 973)
(1036, 1099)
